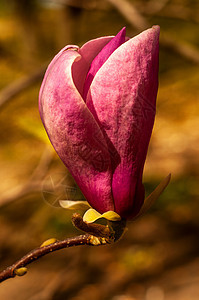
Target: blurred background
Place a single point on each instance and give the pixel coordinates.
(158, 258)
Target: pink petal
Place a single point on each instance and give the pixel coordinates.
(88, 52)
(122, 98)
(74, 47)
(74, 132)
(103, 55)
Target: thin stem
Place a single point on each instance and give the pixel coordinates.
(96, 234)
(35, 254)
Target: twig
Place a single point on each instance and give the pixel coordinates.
(129, 11)
(82, 4)
(183, 49)
(178, 12)
(173, 11)
(19, 192)
(33, 184)
(133, 16)
(154, 6)
(20, 85)
(98, 236)
(92, 228)
(18, 267)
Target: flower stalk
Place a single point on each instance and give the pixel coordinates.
(95, 235)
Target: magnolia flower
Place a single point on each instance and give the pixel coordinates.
(98, 104)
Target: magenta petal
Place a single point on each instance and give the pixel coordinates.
(122, 98)
(74, 132)
(100, 59)
(88, 52)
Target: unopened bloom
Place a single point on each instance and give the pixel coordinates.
(98, 105)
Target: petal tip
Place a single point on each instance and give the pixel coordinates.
(156, 29)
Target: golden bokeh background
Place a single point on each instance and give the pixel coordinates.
(157, 259)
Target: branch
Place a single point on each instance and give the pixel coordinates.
(18, 267)
(133, 16)
(173, 11)
(99, 235)
(20, 85)
(154, 6)
(185, 50)
(33, 184)
(83, 4)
